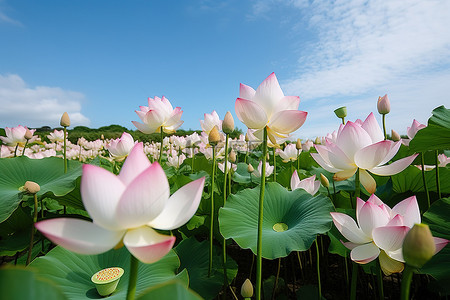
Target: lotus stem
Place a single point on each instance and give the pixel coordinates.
(24, 147)
(30, 249)
(334, 192)
(318, 269)
(260, 219)
(384, 126)
(246, 153)
(343, 120)
(346, 271)
(380, 280)
(438, 185)
(276, 278)
(274, 166)
(292, 168)
(192, 160)
(407, 276)
(211, 229)
(161, 148)
(357, 185)
(298, 161)
(224, 241)
(65, 150)
(134, 263)
(354, 280)
(15, 150)
(300, 264)
(425, 186)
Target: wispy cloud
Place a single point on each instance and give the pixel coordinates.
(4, 18)
(37, 106)
(364, 49)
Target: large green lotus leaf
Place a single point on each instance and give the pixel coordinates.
(47, 172)
(438, 218)
(20, 283)
(304, 215)
(410, 180)
(169, 290)
(436, 136)
(194, 256)
(72, 272)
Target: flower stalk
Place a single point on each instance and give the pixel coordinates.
(30, 249)
(224, 241)
(134, 264)
(438, 186)
(211, 224)
(425, 186)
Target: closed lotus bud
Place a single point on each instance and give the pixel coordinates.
(102, 137)
(65, 120)
(395, 136)
(214, 136)
(383, 105)
(250, 168)
(232, 156)
(247, 289)
(298, 145)
(32, 187)
(317, 141)
(28, 134)
(324, 181)
(228, 123)
(418, 246)
(246, 138)
(341, 112)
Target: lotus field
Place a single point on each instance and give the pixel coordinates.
(360, 213)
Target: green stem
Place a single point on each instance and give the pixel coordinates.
(438, 186)
(380, 280)
(276, 278)
(246, 153)
(134, 263)
(406, 282)
(425, 186)
(334, 192)
(260, 219)
(274, 166)
(318, 270)
(300, 264)
(15, 150)
(346, 272)
(343, 121)
(65, 152)
(24, 147)
(192, 160)
(384, 126)
(161, 148)
(298, 161)
(224, 241)
(354, 280)
(30, 249)
(211, 229)
(357, 185)
(292, 168)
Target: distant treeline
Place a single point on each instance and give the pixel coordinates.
(110, 132)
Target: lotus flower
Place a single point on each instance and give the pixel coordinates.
(360, 145)
(126, 208)
(210, 121)
(56, 136)
(310, 184)
(290, 153)
(268, 107)
(269, 170)
(16, 136)
(411, 131)
(379, 231)
(121, 147)
(158, 115)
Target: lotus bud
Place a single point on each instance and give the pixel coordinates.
(250, 168)
(228, 123)
(102, 137)
(247, 289)
(395, 136)
(317, 141)
(341, 112)
(298, 145)
(324, 181)
(65, 120)
(418, 246)
(268, 156)
(232, 156)
(28, 134)
(214, 136)
(383, 105)
(32, 187)
(246, 138)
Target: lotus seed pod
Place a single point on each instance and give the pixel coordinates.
(395, 136)
(247, 289)
(32, 187)
(298, 145)
(214, 136)
(65, 120)
(28, 134)
(324, 181)
(228, 123)
(383, 105)
(106, 280)
(232, 156)
(341, 112)
(250, 168)
(418, 245)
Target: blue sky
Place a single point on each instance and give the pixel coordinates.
(101, 60)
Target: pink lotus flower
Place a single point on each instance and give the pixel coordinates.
(56, 136)
(360, 145)
(158, 115)
(126, 208)
(269, 170)
(268, 107)
(310, 184)
(16, 136)
(210, 121)
(121, 147)
(290, 153)
(411, 131)
(379, 231)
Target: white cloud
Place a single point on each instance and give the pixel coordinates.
(4, 18)
(38, 106)
(364, 49)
